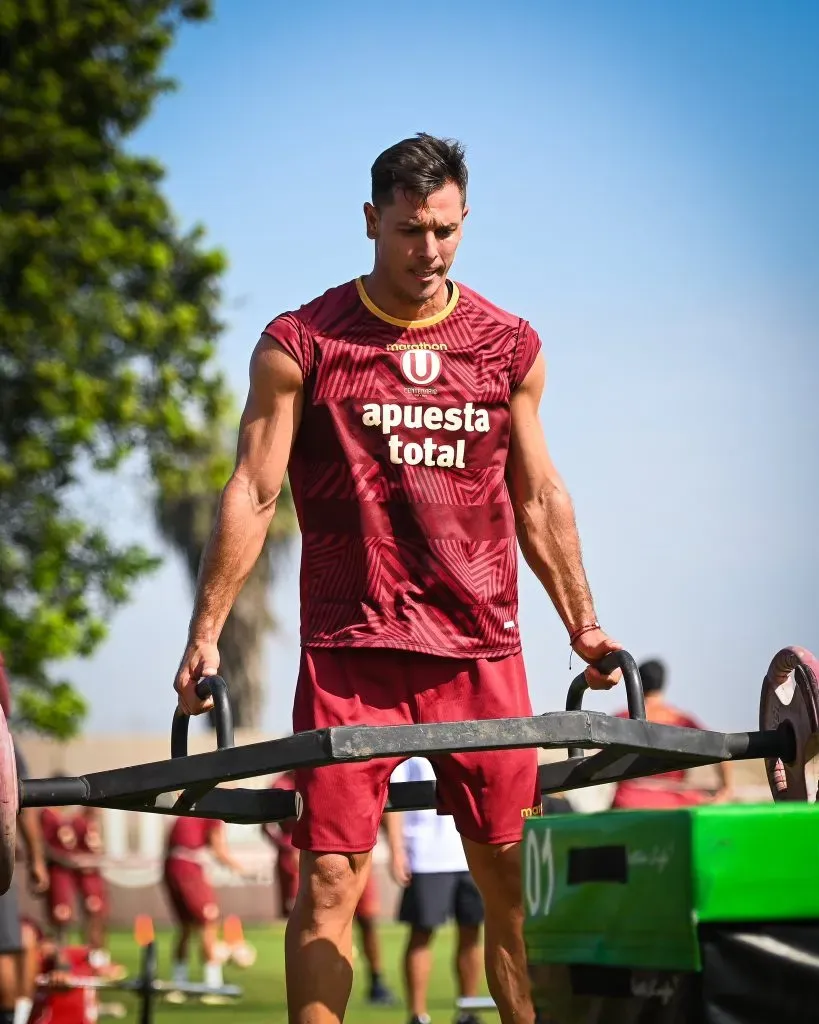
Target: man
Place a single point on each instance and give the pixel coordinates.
(190, 894)
(427, 860)
(17, 963)
(405, 408)
(670, 789)
(73, 844)
(280, 834)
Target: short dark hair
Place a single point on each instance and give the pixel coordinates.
(419, 166)
(652, 673)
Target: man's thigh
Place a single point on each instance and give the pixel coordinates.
(339, 806)
(190, 892)
(62, 893)
(94, 892)
(487, 792)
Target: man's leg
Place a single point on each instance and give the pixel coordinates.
(11, 948)
(28, 968)
(287, 879)
(319, 936)
(366, 915)
(426, 904)
(62, 894)
(468, 960)
(340, 809)
(8, 987)
(181, 951)
(498, 875)
(469, 917)
(94, 905)
(488, 793)
(417, 969)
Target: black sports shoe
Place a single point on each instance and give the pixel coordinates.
(380, 995)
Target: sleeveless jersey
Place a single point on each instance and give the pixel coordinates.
(398, 473)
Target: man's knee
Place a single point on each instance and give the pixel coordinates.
(496, 870)
(419, 938)
(331, 883)
(469, 935)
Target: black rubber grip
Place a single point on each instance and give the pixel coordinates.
(209, 686)
(631, 677)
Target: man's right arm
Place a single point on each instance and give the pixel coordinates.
(268, 429)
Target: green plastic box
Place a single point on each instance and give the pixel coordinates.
(630, 888)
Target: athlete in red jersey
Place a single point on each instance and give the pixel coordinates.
(59, 828)
(405, 408)
(190, 844)
(670, 789)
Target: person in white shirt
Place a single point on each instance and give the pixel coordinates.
(427, 860)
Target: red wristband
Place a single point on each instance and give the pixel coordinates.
(573, 637)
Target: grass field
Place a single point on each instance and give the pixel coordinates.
(263, 984)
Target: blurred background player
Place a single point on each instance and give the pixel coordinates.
(191, 843)
(18, 961)
(671, 788)
(286, 868)
(427, 859)
(279, 833)
(74, 849)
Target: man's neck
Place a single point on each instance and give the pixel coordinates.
(381, 295)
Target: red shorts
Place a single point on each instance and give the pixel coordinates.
(191, 895)
(632, 796)
(65, 884)
(94, 892)
(486, 792)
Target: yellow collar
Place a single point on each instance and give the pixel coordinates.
(429, 321)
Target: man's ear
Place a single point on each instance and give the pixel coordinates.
(371, 220)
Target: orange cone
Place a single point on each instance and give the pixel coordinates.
(143, 930)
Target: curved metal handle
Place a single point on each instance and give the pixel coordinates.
(631, 677)
(209, 686)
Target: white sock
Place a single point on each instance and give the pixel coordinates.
(22, 1011)
(99, 958)
(213, 975)
(180, 971)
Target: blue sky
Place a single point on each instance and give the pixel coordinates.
(643, 189)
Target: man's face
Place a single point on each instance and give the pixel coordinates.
(415, 242)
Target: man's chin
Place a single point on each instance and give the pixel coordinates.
(423, 291)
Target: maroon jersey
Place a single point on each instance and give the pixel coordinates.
(60, 835)
(398, 473)
(191, 834)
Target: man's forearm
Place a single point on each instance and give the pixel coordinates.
(395, 831)
(32, 836)
(232, 550)
(547, 533)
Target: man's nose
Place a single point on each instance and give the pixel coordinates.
(429, 246)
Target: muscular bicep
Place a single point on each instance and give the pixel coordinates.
(530, 472)
(270, 422)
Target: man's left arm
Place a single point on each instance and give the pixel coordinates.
(29, 825)
(546, 527)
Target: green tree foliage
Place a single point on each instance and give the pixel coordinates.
(108, 323)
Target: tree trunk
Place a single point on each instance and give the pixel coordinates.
(186, 522)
